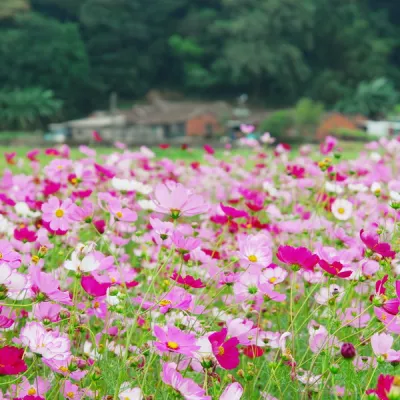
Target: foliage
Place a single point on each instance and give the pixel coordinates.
(277, 51)
(278, 123)
(307, 116)
(55, 60)
(373, 99)
(27, 108)
(353, 134)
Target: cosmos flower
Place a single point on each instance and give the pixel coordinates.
(12, 362)
(225, 351)
(174, 340)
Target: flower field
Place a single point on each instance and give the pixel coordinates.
(270, 274)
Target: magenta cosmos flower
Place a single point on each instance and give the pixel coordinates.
(335, 269)
(383, 387)
(225, 351)
(187, 388)
(297, 257)
(177, 201)
(380, 299)
(371, 240)
(56, 213)
(174, 340)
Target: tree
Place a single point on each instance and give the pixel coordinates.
(27, 108)
(264, 43)
(307, 116)
(56, 59)
(374, 99)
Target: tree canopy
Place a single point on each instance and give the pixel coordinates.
(277, 51)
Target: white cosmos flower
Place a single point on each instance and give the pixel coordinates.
(270, 188)
(146, 204)
(374, 156)
(87, 264)
(333, 188)
(376, 188)
(358, 187)
(395, 196)
(131, 394)
(325, 295)
(342, 209)
(130, 185)
(23, 209)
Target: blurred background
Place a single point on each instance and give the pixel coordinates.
(63, 60)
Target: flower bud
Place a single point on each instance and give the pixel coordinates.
(334, 368)
(348, 350)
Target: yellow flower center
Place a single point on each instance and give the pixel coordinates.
(96, 304)
(173, 345)
(341, 210)
(221, 351)
(164, 303)
(71, 395)
(113, 280)
(252, 258)
(59, 213)
(59, 167)
(63, 369)
(1, 256)
(272, 280)
(31, 391)
(119, 214)
(74, 181)
(35, 259)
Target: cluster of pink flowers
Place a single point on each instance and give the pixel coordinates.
(131, 276)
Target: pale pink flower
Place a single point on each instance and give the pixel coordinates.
(233, 391)
(175, 200)
(174, 340)
(255, 250)
(49, 344)
(12, 284)
(56, 212)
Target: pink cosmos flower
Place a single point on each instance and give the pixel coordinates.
(162, 231)
(45, 283)
(25, 235)
(382, 346)
(8, 255)
(243, 330)
(84, 212)
(209, 149)
(234, 391)
(328, 145)
(353, 316)
(175, 200)
(371, 240)
(255, 250)
(121, 213)
(174, 340)
(71, 391)
(47, 311)
(39, 387)
(184, 244)
(176, 298)
(186, 387)
(299, 257)
(12, 362)
(49, 344)
(57, 213)
(12, 284)
(225, 351)
(391, 322)
(33, 154)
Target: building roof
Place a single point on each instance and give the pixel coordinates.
(165, 112)
(97, 121)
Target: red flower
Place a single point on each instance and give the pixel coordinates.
(208, 149)
(163, 146)
(188, 280)
(225, 351)
(25, 235)
(371, 240)
(29, 397)
(299, 257)
(253, 351)
(231, 212)
(100, 225)
(184, 146)
(97, 137)
(391, 306)
(52, 152)
(334, 269)
(11, 362)
(296, 171)
(10, 158)
(383, 387)
(94, 288)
